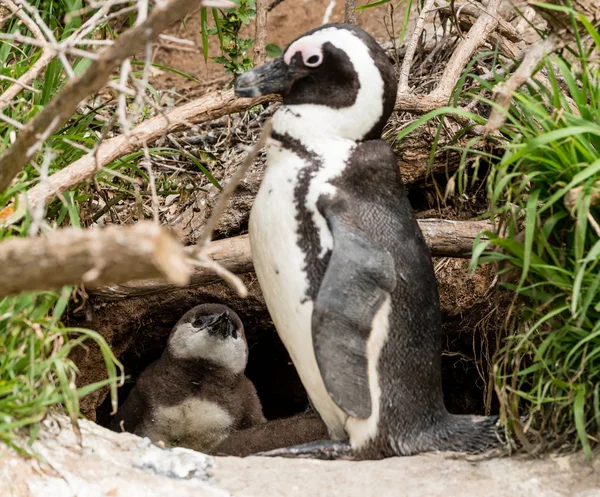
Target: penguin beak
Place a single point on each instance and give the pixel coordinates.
(222, 326)
(273, 77)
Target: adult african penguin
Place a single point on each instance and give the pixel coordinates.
(196, 394)
(345, 271)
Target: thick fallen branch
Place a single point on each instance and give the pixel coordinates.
(94, 257)
(232, 254)
(62, 106)
(210, 106)
(447, 238)
(444, 238)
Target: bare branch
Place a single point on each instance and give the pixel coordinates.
(504, 92)
(93, 79)
(37, 213)
(210, 106)
(147, 162)
(234, 281)
(505, 28)
(11, 121)
(476, 37)
(94, 257)
(49, 35)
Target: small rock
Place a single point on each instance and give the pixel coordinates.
(176, 463)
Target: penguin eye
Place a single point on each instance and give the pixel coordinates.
(314, 60)
(200, 322)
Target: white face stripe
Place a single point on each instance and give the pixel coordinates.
(309, 46)
(188, 343)
(352, 122)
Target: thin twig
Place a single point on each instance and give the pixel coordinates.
(57, 50)
(37, 213)
(9, 94)
(25, 19)
(11, 121)
(62, 106)
(412, 47)
(350, 12)
(594, 223)
(122, 100)
(260, 34)
(24, 85)
(177, 41)
(202, 248)
(49, 35)
(152, 182)
(223, 273)
(505, 28)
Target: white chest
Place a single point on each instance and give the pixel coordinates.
(280, 262)
(195, 423)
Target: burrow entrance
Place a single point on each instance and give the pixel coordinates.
(137, 330)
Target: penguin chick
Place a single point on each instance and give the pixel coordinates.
(342, 263)
(196, 394)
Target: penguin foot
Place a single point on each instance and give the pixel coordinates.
(327, 450)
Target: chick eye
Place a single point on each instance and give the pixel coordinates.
(314, 60)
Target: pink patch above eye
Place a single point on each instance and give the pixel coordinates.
(311, 52)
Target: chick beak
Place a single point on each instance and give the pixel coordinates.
(222, 326)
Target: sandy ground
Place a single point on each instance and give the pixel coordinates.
(123, 465)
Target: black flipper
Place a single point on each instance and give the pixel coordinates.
(359, 277)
